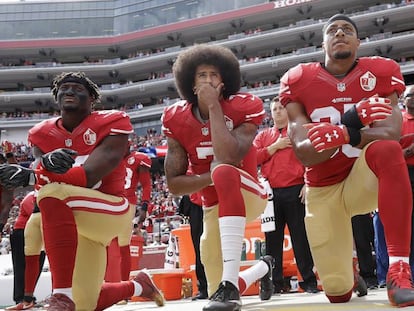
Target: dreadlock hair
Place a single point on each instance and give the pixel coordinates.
(77, 77)
(185, 67)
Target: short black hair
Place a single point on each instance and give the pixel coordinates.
(341, 17)
(185, 66)
(78, 77)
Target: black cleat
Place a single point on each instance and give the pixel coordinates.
(312, 289)
(226, 298)
(360, 287)
(266, 283)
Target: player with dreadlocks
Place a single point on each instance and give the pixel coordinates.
(80, 194)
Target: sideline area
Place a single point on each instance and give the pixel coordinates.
(375, 300)
(43, 287)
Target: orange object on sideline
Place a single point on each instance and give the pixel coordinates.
(252, 233)
(136, 248)
(170, 283)
(185, 246)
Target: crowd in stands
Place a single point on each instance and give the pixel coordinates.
(162, 210)
(247, 86)
(24, 115)
(239, 31)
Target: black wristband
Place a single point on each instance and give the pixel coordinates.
(354, 136)
(351, 119)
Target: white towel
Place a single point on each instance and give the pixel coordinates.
(171, 253)
(268, 215)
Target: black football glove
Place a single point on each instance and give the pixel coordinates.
(14, 176)
(58, 161)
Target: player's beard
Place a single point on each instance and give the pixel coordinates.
(69, 108)
(342, 55)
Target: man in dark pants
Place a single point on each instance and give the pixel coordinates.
(191, 206)
(18, 255)
(284, 172)
(6, 198)
(407, 143)
(363, 230)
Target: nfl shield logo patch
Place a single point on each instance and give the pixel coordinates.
(204, 131)
(341, 87)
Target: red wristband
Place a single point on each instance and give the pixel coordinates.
(75, 176)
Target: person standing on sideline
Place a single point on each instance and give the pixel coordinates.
(381, 253)
(25, 280)
(191, 206)
(363, 232)
(344, 125)
(285, 175)
(81, 196)
(407, 144)
(6, 199)
(210, 133)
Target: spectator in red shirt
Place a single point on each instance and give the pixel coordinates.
(284, 172)
(169, 206)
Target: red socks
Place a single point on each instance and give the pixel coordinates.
(61, 240)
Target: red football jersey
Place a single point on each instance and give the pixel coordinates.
(26, 209)
(196, 198)
(133, 177)
(282, 169)
(49, 135)
(180, 124)
(325, 98)
(407, 134)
